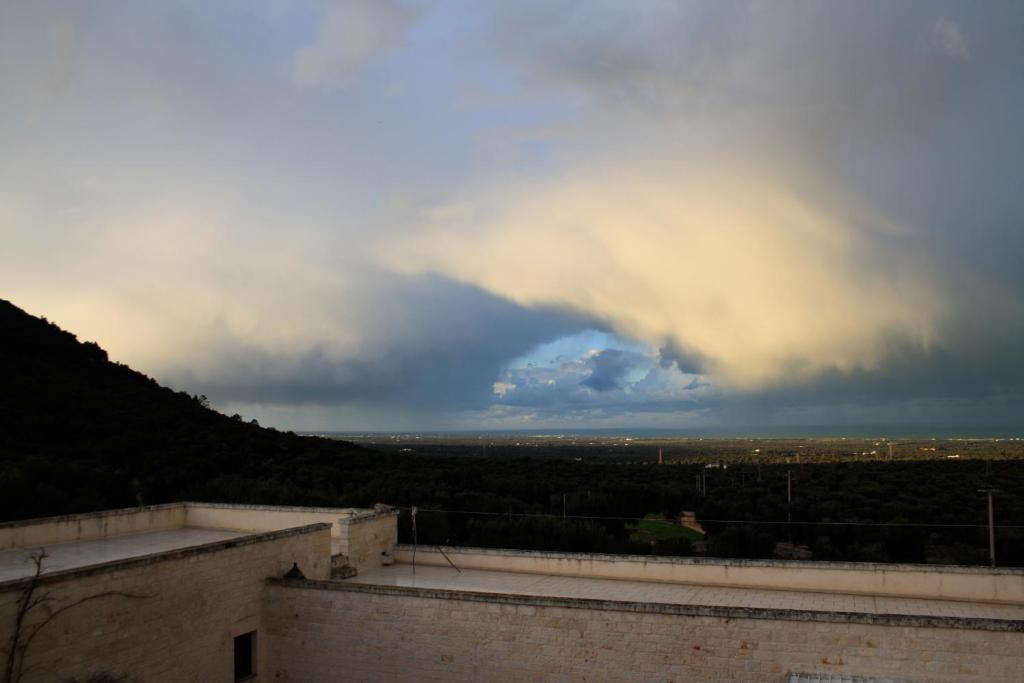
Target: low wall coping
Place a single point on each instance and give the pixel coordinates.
(274, 508)
(117, 512)
(164, 556)
(79, 516)
(721, 562)
(360, 516)
(723, 612)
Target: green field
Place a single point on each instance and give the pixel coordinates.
(655, 527)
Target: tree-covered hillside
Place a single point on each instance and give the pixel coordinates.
(79, 433)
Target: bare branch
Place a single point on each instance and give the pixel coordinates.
(56, 613)
(25, 603)
(23, 635)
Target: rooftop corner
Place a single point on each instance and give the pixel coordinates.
(89, 540)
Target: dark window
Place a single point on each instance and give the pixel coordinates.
(245, 651)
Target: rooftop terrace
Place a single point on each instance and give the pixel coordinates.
(957, 597)
(212, 573)
(17, 563)
(963, 597)
(662, 593)
(77, 542)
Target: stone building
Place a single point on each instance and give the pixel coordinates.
(208, 592)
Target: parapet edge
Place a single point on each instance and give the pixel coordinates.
(81, 516)
(164, 556)
(720, 561)
(117, 512)
(724, 612)
(274, 508)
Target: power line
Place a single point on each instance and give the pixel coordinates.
(715, 521)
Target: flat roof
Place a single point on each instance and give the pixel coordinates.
(17, 563)
(689, 595)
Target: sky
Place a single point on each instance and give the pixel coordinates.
(357, 215)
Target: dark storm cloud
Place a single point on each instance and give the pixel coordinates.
(609, 366)
(243, 201)
(444, 354)
(913, 108)
(979, 383)
(687, 361)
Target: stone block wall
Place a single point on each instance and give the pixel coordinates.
(365, 537)
(179, 614)
(1004, 585)
(327, 632)
(90, 526)
(264, 517)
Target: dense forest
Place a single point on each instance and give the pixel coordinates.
(80, 433)
(881, 511)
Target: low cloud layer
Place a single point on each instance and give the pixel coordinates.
(372, 215)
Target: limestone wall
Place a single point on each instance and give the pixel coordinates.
(329, 632)
(978, 584)
(258, 518)
(266, 517)
(364, 538)
(90, 526)
(179, 626)
(364, 532)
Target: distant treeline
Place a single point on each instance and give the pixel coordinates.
(690, 450)
(879, 512)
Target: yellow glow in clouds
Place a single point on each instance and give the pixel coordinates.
(763, 285)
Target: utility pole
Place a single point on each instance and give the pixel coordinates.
(789, 505)
(563, 505)
(789, 497)
(415, 540)
(991, 527)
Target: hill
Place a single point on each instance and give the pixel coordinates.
(79, 432)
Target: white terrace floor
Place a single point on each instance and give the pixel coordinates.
(15, 564)
(544, 585)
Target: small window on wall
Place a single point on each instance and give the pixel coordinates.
(245, 656)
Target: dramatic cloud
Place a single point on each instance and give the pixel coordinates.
(618, 383)
(762, 284)
(609, 368)
(765, 213)
(374, 214)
